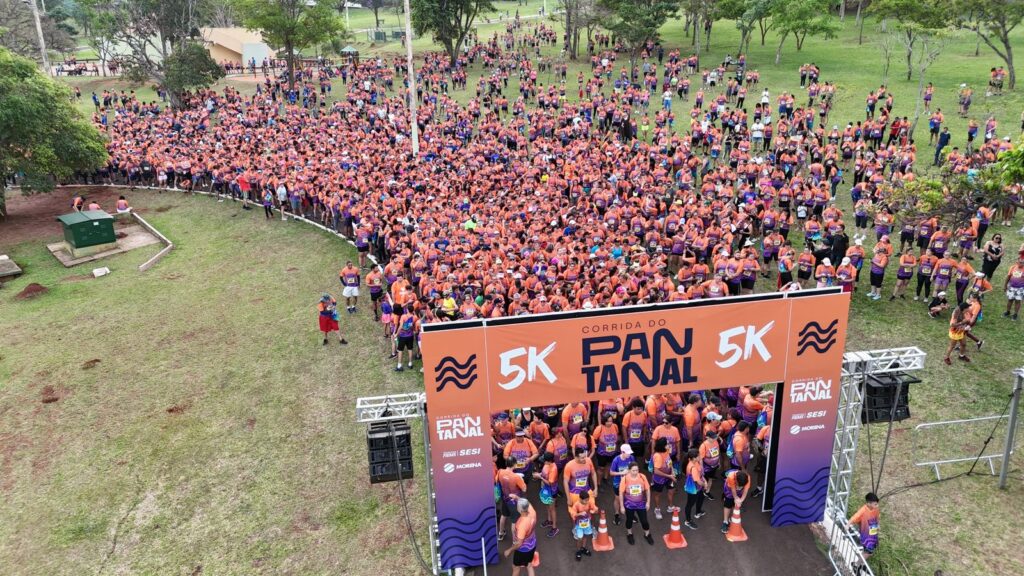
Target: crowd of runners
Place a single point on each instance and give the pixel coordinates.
(665, 454)
(526, 201)
(553, 193)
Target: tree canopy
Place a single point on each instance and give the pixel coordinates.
(448, 20)
(290, 25)
(636, 22)
(43, 137)
(190, 67)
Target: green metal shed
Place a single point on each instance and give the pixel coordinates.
(89, 228)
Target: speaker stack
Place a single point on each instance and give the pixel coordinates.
(883, 391)
(382, 441)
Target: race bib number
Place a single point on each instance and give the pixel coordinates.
(873, 530)
(636, 490)
(634, 434)
(609, 447)
(577, 418)
(713, 453)
(585, 523)
(581, 482)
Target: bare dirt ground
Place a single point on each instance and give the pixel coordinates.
(34, 217)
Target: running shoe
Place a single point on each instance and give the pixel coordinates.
(657, 513)
(649, 538)
(579, 555)
(501, 536)
(546, 523)
(699, 515)
(617, 520)
(553, 532)
(980, 343)
(690, 525)
(630, 539)
(709, 496)
(725, 527)
(586, 552)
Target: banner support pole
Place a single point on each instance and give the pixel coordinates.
(1011, 427)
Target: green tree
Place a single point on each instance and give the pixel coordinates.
(636, 22)
(802, 18)
(43, 137)
(290, 25)
(952, 198)
(144, 32)
(748, 14)
(993, 21)
(190, 67)
(914, 18)
(448, 20)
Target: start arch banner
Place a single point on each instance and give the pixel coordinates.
(472, 368)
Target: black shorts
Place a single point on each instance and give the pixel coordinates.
(405, 343)
(375, 296)
(638, 450)
(603, 460)
(363, 249)
(747, 283)
(923, 242)
(729, 503)
(523, 559)
(876, 279)
(907, 237)
(710, 474)
(803, 275)
(655, 487)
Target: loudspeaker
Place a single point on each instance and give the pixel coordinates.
(382, 441)
(880, 396)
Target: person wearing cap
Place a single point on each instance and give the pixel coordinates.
(879, 261)
(846, 275)
(710, 453)
(825, 273)
(327, 310)
(938, 304)
(617, 469)
(523, 452)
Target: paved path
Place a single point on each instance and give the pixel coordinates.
(789, 551)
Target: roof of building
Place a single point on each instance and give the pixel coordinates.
(85, 216)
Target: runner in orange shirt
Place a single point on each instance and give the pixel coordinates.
(582, 512)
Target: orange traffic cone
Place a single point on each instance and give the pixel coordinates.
(603, 542)
(735, 533)
(674, 539)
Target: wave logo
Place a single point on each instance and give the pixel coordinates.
(815, 336)
(451, 371)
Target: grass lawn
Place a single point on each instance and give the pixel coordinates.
(262, 469)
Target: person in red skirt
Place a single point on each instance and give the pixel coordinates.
(328, 309)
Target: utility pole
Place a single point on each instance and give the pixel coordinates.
(1011, 426)
(414, 127)
(42, 41)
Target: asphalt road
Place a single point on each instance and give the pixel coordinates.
(789, 551)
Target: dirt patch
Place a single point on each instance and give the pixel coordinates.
(33, 217)
(31, 291)
(90, 364)
(257, 300)
(162, 209)
(120, 235)
(304, 523)
(179, 408)
(77, 278)
(292, 269)
(50, 394)
(250, 423)
(173, 276)
(198, 570)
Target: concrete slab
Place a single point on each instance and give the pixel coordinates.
(8, 269)
(135, 236)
